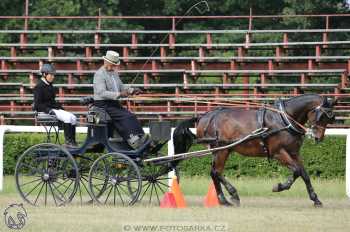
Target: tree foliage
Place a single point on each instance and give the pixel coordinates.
(170, 7)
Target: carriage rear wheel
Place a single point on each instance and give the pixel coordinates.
(115, 179)
(47, 174)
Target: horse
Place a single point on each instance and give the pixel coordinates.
(281, 138)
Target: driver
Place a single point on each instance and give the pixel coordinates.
(108, 89)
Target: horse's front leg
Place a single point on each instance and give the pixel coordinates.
(285, 159)
(286, 185)
(296, 165)
(305, 176)
(216, 172)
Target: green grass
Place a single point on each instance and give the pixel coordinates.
(249, 187)
(261, 210)
(253, 187)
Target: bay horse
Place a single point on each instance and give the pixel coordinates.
(282, 138)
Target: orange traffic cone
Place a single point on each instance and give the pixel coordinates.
(211, 199)
(179, 197)
(168, 201)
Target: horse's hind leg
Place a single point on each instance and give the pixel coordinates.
(216, 175)
(216, 180)
(231, 190)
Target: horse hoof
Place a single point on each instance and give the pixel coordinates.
(225, 203)
(318, 204)
(276, 188)
(236, 202)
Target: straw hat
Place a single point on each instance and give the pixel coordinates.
(112, 57)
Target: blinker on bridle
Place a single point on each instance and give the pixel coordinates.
(321, 110)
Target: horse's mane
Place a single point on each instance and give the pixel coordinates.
(324, 100)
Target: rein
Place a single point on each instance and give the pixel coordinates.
(237, 103)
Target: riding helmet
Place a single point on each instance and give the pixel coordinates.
(47, 69)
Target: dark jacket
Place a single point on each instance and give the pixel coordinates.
(44, 97)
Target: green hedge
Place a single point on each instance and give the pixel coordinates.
(15, 145)
(326, 159)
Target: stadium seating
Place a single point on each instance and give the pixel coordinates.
(180, 79)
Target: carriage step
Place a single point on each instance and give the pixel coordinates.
(116, 140)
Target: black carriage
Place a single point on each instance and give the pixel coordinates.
(52, 174)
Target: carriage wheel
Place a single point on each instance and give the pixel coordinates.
(46, 174)
(156, 181)
(83, 192)
(122, 176)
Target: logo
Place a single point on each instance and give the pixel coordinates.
(15, 216)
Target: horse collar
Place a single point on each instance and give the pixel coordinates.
(286, 118)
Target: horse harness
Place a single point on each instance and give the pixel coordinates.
(288, 123)
(284, 120)
(217, 141)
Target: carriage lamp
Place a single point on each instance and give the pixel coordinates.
(91, 117)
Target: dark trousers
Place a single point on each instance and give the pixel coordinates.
(123, 120)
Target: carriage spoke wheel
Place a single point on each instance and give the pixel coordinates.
(115, 179)
(46, 174)
(156, 181)
(83, 194)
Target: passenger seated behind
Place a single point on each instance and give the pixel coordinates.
(108, 89)
(44, 101)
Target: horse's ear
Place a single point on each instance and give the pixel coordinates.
(332, 101)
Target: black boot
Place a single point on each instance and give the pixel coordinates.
(73, 140)
(68, 135)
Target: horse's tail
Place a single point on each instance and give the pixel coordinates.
(183, 138)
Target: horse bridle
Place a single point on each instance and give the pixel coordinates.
(320, 111)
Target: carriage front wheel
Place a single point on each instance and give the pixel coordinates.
(115, 179)
(47, 174)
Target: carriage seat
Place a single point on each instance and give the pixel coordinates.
(49, 122)
(160, 132)
(95, 115)
(46, 119)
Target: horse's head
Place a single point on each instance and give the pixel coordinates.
(320, 117)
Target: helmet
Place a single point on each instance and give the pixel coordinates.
(48, 69)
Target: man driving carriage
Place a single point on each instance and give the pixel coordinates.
(108, 89)
(44, 101)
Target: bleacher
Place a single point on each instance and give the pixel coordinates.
(180, 79)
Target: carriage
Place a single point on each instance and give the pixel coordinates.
(51, 174)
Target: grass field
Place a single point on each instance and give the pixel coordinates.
(261, 210)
